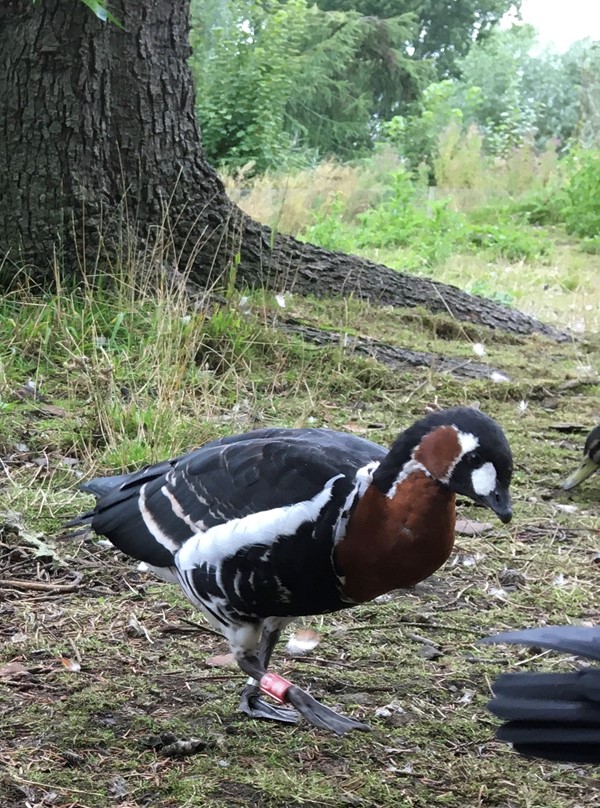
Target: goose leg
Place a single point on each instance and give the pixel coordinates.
(251, 702)
(282, 690)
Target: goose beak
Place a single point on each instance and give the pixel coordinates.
(498, 501)
(586, 468)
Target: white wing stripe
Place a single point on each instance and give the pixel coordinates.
(265, 527)
(178, 510)
(152, 525)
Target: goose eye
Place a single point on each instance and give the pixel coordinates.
(473, 458)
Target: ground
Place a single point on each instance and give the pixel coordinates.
(100, 664)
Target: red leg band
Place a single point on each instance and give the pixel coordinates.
(274, 685)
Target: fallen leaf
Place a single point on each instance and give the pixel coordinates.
(69, 461)
(466, 559)
(53, 410)
(137, 629)
(388, 709)
(468, 527)
(498, 377)
(302, 642)
(117, 787)
(29, 390)
(13, 522)
(357, 429)
(184, 748)
(41, 461)
(511, 578)
(220, 660)
(70, 664)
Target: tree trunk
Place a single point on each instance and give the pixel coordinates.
(100, 159)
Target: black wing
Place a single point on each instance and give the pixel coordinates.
(555, 716)
(581, 640)
(150, 513)
(550, 715)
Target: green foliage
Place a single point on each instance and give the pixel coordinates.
(482, 288)
(138, 357)
(505, 238)
(99, 9)
(328, 228)
(511, 96)
(402, 219)
(430, 230)
(582, 203)
(573, 201)
(444, 31)
(354, 73)
(498, 67)
(417, 136)
(282, 82)
(245, 60)
(542, 207)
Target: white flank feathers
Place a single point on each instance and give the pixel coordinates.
(362, 480)
(302, 642)
(364, 476)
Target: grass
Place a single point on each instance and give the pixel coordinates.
(92, 382)
(501, 234)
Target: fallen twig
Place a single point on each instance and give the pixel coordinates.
(39, 586)
(423, 624)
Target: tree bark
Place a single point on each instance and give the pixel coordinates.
(101, 162)
(391, 355)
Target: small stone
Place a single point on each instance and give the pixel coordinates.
(430, 652)
(511, 579)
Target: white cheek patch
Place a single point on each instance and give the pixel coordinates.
(484, 479)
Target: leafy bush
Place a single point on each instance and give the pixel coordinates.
(329, 230)
(511, 96)
(581, 210)
(402, 219)
(505, 233)
(430, 230)
(509, 241)
(285, 82)
(544, 207)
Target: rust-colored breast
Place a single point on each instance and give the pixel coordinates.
(392, 543)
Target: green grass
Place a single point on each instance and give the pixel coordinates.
(515, 243)
(132, 376)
